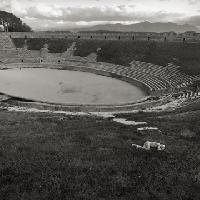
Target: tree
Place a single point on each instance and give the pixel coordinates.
(13, 23)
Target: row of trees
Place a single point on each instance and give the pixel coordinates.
(11, 23)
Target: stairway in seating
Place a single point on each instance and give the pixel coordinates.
(6, 43)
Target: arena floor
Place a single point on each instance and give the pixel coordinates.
(67, 87)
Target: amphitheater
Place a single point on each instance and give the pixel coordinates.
(138, 149)
(160, 82)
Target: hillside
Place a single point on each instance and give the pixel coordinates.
(15, 24)
(144, 27)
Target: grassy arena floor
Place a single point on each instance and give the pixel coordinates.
(48, 156)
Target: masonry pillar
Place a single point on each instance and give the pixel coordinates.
(44, 51)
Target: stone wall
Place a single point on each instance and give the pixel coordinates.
(168, 36)
(42, 56)
(35, 34)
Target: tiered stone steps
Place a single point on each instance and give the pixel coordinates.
(6, 43)
(153, 82)
(169, 74)
(154, 76)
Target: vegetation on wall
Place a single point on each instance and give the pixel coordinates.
(185, 55)
(54, 45)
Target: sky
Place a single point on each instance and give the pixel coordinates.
(68, 14)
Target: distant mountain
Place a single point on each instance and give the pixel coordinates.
(143, 27)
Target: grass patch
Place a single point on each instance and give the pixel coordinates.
(44, 156)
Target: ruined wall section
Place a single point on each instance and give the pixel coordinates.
(24, 55)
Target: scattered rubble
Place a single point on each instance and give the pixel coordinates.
(168, 106)
(24, 109)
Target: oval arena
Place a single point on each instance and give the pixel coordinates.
(140, 79)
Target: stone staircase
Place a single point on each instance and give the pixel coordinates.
(6, 43)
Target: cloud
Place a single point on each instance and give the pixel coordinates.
(38, 13)
(193, 2)
(80, 13)
(14, 6)
(55, 16)
(5, 5)
(194, 20)
(88, 14)
(43, 11)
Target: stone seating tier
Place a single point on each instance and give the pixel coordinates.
(6, 43)
(170, 73)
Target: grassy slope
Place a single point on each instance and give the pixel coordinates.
(123, 52)
(46, 157)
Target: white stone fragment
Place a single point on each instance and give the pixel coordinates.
(124, 121)
(103, 114)
(147, 128)
(147, 146)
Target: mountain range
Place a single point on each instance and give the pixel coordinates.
(143, 27)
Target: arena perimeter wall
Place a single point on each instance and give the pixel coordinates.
(168, 36)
